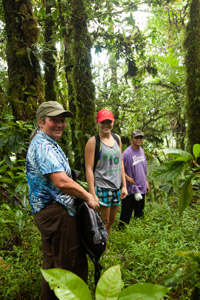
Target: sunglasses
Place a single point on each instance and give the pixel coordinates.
(139, 137)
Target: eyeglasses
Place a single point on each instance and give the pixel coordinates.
(139, 137)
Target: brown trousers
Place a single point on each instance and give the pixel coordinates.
(60, 244)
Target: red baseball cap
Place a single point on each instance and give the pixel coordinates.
(105, 114)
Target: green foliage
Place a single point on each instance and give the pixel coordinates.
(145, 250)
(12, 217)
(188, 271)
(20, 255)
(67, 285)
(183, 167)
(13, 182)
(13, 138)
(13, 146)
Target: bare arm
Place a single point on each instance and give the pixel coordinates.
(130, 179)
(89, 165)
(148, 187)
(72, 188)
(124, 192)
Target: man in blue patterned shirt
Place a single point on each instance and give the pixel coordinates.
(51, 194)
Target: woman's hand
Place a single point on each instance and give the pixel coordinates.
(92, 201)
(124, 193)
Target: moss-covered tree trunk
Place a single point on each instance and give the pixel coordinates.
(25, 83)
(84, 91)
(49, 53)
(115, 95)
(66, 32)
(192, 61)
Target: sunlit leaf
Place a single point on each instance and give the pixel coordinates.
(66, 285)
(178, 153)
(169, 171)
(144, 291)
(196, 150)
(109, 285)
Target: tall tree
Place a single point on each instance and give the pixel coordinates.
(192, 61)
(49, 52)
(66, 33)
(84, 90)
(25, 82)
(115, 94)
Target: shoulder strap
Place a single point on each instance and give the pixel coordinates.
(97, 147)
(115, 137)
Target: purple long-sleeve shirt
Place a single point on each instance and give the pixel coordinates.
(135, 166)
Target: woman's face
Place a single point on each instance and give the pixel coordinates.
(53, 126)
(105, 126)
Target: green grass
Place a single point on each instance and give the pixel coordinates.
(145, 250)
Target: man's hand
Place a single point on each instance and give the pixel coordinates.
(124, 193)
(130, 179)
(148, 187)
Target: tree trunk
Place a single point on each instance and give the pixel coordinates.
(84, 91)
(68, 65)
(25, 83)
(192, 61)
(115, 95)
(49, 54)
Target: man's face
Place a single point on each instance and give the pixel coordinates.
(137, 141)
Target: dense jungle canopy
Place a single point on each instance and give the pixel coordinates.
(139, 58)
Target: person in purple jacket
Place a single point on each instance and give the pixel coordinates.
(135, 166)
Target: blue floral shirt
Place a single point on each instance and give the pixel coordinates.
(45, 156)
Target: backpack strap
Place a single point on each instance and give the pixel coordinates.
(115, 137)
(97, 271)
(97, 148)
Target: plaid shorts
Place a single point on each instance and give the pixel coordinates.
(108, 197)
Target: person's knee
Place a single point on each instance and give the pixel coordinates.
(111, 220)
(105, 221)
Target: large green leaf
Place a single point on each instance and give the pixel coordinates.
(196, 150)
(66, 285)
(143, 291)
(169, 171)
(109, 285)
(186, 194)
(178, 154)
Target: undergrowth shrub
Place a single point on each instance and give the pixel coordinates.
(146, 251)
(20, 255)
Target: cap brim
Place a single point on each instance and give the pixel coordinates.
(103, 119)
(66, 113)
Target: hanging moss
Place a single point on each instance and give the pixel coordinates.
(192, 61)
(25, 82)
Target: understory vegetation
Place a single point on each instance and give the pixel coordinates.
(153, 250)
